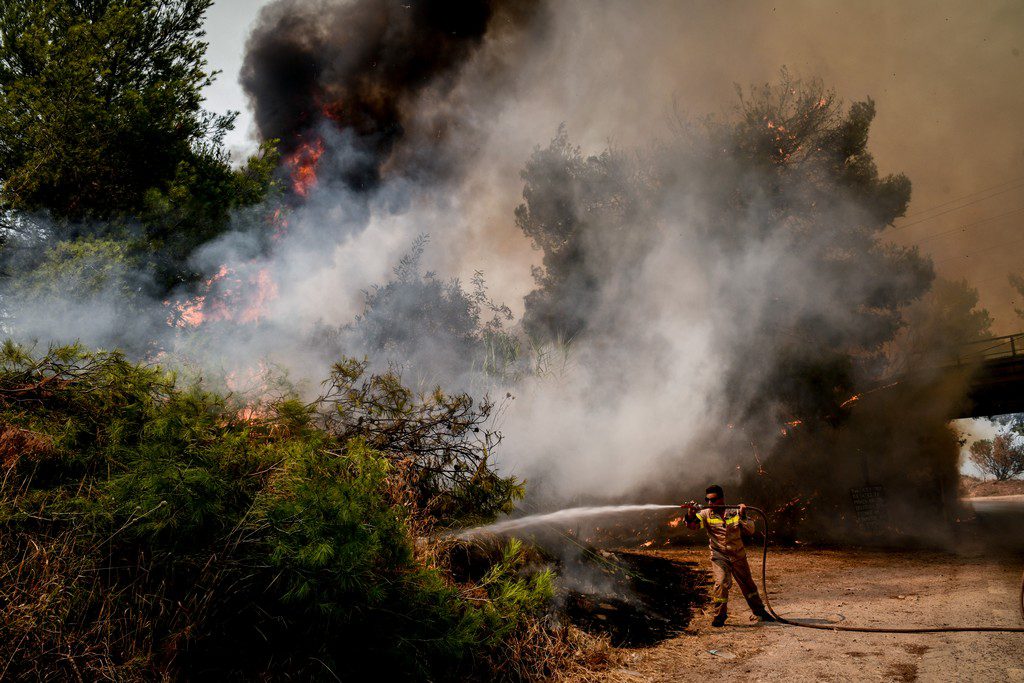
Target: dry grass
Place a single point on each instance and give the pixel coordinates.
(16, 443)
(559, 653)
(44, 634)
(972, 487)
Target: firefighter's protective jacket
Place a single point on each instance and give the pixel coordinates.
(724, 531)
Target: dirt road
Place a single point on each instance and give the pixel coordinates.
(990, 504)
(869, 588)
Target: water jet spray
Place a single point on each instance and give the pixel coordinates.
(565, 515)
(596, 511)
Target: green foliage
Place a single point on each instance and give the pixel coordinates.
(333, 531)
(442, 442)
(103, 132)
(418, 317)
(572, 205)
(95, 285)
(81, 268)
(101, 101)
(150, 530)
(197, 204)
(512, 594)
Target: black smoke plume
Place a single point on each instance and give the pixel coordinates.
(379, 71)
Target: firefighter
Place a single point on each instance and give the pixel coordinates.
(728, 558)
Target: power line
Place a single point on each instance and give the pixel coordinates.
(966, 196)
(961, 228)
(955, 208)
(980, 251)
(989, 279)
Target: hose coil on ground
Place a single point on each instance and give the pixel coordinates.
(866, 629)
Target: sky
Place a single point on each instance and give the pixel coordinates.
(228, 24)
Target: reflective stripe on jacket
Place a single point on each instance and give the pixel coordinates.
(724, 528)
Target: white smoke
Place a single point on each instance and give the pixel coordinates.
(639, 402)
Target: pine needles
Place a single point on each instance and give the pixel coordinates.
(152, 530)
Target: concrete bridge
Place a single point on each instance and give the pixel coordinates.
(996, 372)
(988, 373)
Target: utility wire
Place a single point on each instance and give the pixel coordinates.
(980, 251)
(955, 208)
(975, 283)
(966, 196)
(960, 228)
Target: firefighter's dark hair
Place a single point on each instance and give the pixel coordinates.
(715, 488)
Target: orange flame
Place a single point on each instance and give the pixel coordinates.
(192, 312)
(253, 413)
(265, 292)
(280, 224)
(252, 386)
(244, 301)
(303, 163)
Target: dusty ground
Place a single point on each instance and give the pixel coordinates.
(869, 588)
(974, 487)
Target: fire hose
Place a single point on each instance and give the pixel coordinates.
(857, 629)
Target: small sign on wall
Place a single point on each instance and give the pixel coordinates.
(869, 504)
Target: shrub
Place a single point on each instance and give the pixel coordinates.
(147, 530)
(442, 442)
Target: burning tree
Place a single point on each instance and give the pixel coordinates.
(777, 213)
(790, 171)
(360, 69)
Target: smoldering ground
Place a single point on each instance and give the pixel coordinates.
(694, 296)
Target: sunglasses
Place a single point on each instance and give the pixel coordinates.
(710, 500)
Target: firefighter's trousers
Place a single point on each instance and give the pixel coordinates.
(723, 570)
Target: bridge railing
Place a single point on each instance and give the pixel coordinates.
(994, 348)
